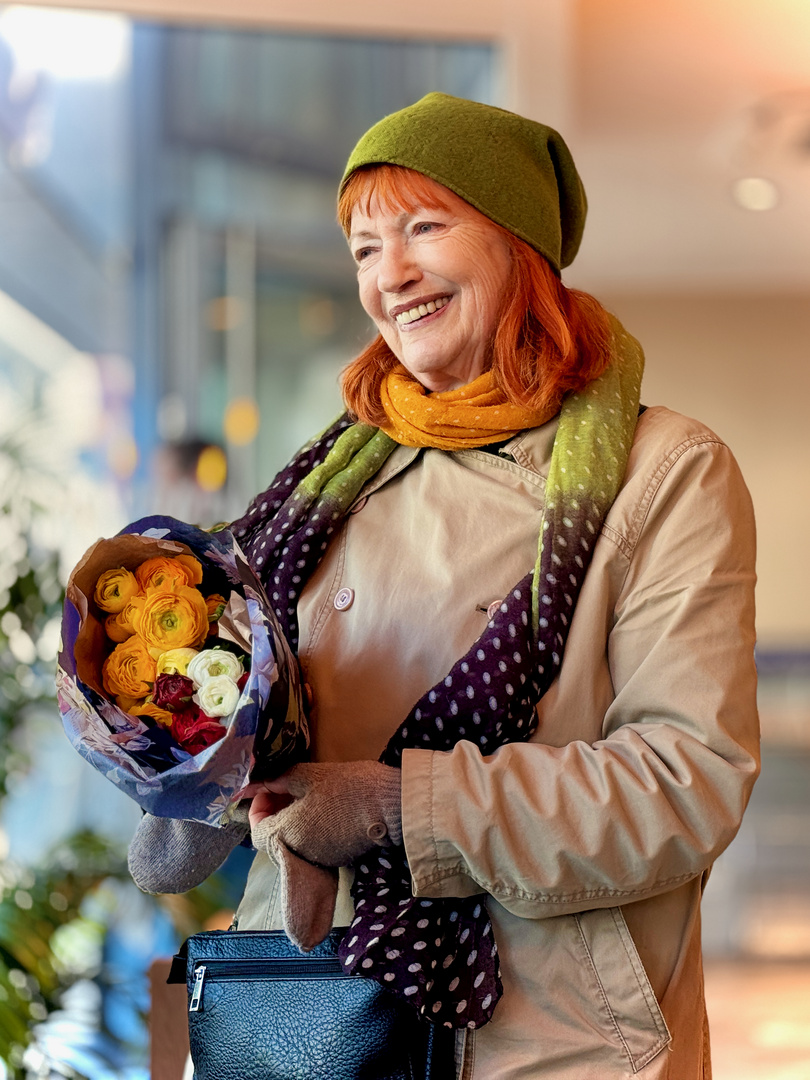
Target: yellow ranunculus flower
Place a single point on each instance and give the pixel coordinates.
(114, 588)
(167, 573)
(148, 708)
(175, 661)
(171, 620)
(129, 670)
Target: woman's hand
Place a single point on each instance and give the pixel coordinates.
(337, 811)
(264, 803)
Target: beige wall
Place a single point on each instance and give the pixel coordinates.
(741, 364)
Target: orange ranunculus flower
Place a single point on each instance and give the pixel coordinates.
(128, 703)
(119, 626)
(165, 572)
(115, 631)
(114, 588)
(193, 568)
(171, 620)
(129, 670)
(216, 605)
(148, 708)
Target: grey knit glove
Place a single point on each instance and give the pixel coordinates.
(169, 856)
(341, 811)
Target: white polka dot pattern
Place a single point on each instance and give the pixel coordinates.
(440, 954)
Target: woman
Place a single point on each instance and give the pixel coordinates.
(530, 849)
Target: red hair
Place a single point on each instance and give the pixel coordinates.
(550, 340)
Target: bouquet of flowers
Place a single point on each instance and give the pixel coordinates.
(174, 678)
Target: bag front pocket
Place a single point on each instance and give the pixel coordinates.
(260, 1010)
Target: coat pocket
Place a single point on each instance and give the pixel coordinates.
(626, 995)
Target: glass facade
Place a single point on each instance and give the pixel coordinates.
(176, 303)
(167, 208)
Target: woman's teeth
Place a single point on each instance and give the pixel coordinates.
(421, 310)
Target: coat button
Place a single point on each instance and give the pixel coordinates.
(377, 831)
(344, 599)
(493, 609)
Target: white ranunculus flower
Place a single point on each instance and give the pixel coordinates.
(210, 663)
(218, 696)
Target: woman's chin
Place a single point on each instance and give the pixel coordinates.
(439, 379)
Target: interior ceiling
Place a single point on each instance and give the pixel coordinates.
(665, 103)
(671, 103)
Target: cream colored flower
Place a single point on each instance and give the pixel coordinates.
(218, 696)
(210, 663)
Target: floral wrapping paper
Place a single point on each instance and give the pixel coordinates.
(264, 735)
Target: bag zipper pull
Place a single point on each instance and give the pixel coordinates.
(196, 993)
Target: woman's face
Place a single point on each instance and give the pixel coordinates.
(433, 281)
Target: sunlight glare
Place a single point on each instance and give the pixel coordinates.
(67, 44)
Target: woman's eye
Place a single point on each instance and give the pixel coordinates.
(362, 253)
(425, 227)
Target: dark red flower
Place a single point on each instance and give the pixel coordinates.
(172, 692)
(193, 730)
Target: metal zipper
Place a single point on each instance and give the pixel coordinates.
(196, 993)
(265, 968)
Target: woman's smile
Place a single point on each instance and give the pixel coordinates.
(433, 279)
(420, 311)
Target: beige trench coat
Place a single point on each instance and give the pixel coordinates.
(592, 843)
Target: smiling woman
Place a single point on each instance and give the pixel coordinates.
(451, 258)
(510, 749)
(540, 341)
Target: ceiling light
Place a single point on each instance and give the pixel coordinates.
(755, 193)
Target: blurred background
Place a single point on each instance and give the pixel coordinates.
(176, 304)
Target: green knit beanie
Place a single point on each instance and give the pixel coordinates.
(515, 171)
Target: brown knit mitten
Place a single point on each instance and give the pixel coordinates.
(308, 896)
(341, 811)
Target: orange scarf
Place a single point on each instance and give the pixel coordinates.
(472, 415)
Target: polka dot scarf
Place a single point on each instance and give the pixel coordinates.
(441, 954)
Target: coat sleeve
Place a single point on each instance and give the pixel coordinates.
(550, 830)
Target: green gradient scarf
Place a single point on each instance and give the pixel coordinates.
(440, 954)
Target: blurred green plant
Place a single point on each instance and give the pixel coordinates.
(36, 904)
(39, 909)
(52, 916)
(52, 929)
(30, 600)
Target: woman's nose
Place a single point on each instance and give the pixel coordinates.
(397, 268)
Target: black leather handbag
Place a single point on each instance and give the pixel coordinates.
(259, 1009)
